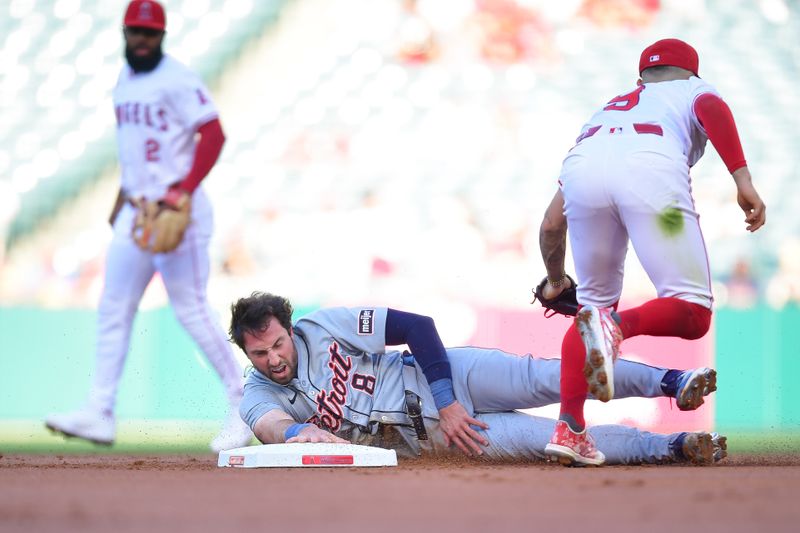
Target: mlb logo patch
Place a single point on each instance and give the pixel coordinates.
(145, 11)
(655, 57)
(366, 322)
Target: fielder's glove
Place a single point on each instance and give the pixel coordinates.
(566, 303)
(159, 226)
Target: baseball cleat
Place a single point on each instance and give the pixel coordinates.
(573, 449)
(94, 426)
(234, 434)
(720, 444)
(693, 385)
(703, 448)
(601, 336)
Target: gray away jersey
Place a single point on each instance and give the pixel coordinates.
(346, 381)
(348, 384)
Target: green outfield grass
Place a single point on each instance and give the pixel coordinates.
(172, 437)
(777, 442)
(133, 437)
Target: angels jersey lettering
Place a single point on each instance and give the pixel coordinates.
(157, 114)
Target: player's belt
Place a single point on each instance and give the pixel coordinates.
(653, 129)
(414, 412)
(413, 403)
(638, 127)
(134, 202)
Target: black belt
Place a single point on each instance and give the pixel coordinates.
(414, 412)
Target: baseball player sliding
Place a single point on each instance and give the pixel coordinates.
(329, 378)
(169, 138)
(628, 178)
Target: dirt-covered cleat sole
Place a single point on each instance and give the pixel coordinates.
(698, 448)
(693, 386)
(720, 444)
(601, 336)
(711, 381)
(689, 395)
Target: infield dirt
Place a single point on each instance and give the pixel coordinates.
(154, 493)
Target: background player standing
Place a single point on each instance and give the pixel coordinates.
(330, 378)
(169, 137)
(628, 178)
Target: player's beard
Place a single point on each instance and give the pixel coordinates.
(143, 63)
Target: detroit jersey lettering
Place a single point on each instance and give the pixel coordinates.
(337, 385)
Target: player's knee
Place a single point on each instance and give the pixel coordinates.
(699, 322)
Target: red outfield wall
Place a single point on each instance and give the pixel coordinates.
(528, 331)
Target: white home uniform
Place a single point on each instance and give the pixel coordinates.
(628, 177)
(347, 383)
(158, 114)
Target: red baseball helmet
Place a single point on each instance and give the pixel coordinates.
(672, 52)
(145, 14)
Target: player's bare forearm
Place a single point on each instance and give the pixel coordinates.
(271, 427)
(553, 238)
(749, 200)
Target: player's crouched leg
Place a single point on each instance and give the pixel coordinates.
(516, 436)
(626, 445)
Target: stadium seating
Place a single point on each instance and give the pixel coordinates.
(60, 62)
(368, 160)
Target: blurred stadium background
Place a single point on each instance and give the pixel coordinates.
(364, 138)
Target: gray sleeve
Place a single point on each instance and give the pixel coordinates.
(257, 401)
(359, 328)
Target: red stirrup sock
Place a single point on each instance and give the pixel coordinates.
(666, 317)
(573, 383)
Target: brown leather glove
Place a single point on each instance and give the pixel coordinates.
(159, 226)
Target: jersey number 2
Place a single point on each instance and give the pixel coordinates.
(625, 102)
(151, 148)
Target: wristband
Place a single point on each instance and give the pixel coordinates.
(442, 390)
(293, 430)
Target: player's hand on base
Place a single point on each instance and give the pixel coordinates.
(315, 434)
(456, 425)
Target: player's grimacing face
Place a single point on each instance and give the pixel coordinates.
(272, 352)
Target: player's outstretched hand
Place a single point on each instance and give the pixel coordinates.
(315, 434)
(456, 425)
(748, 199)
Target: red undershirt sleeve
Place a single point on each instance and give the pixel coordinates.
(208, 149)
(716, 118)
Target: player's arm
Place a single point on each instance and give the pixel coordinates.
(716, 118)
(420, 334)
(278, 426)
(209, 146)
(553, 246)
